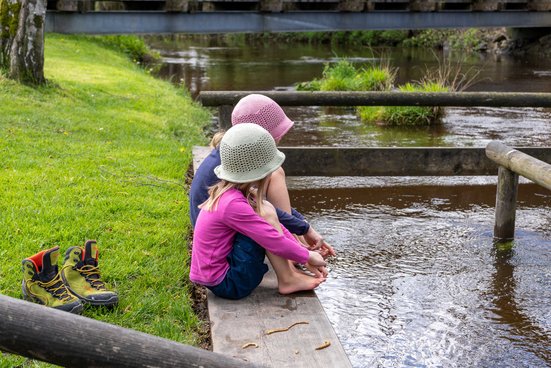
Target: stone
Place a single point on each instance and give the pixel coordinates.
(351, 5)
(67, 5)
(177, 6)
(539, 5)
(422, 5)
(271, 6)
(485, 5)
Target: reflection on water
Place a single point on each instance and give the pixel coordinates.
(419, 283)
(460, 127)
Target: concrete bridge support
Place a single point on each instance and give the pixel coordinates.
(528, 34)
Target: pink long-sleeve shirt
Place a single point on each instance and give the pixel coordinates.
(215, 232)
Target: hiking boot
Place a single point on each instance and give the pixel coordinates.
(81, 275)
(42, 283)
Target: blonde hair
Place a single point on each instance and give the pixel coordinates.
(254, 192)
(216, 138)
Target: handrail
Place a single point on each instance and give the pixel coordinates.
(512, 163)
(69, 340)
(225, 100)
(285, 98)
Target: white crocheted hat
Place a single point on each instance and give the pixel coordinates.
(261, 110)
(248, 153)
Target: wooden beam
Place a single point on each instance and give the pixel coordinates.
(284, 98)
(69, 340)
(423, 161)
(526, 163)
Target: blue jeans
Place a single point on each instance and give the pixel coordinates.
(247, 269)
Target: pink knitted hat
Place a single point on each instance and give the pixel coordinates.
(263, 111)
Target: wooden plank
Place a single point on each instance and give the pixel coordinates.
(238, 322)
(235, 323)
(199, 153)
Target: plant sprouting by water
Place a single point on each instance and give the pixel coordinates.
(344, 76)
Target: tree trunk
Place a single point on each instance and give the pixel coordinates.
(27, 50)
(9, 19)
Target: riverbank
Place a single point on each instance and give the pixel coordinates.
(101, 153)
(468, 40)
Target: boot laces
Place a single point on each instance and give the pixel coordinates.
(56, 287)
(92, 275)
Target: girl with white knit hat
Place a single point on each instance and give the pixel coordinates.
(237, 227)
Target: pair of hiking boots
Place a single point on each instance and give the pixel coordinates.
(67, 289)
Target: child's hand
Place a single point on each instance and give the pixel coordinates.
(316, 242)
(315, 259)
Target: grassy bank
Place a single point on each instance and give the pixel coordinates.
(101, 153)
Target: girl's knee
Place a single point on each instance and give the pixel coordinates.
(269, 213)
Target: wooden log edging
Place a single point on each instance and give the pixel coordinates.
(69, 340)
(512, 164)
(284, 98)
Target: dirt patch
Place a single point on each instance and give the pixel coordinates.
(198, 292)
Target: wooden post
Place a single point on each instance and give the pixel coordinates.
(224, 116)
(69, 340)
(512, 163)
(506, 203)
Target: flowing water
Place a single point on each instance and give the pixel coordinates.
(418, 281)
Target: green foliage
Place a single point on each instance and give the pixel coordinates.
(463, 39)
(133, 46)
(344, 76)
(405, 115)
(339, 77)
(375, 79)
(99, 153)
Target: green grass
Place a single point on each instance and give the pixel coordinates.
(405, 115)
(344, 76)
(101, 153)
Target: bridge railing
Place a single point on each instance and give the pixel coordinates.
(513, 163)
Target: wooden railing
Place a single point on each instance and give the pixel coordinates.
(513, 163)
(225, 100)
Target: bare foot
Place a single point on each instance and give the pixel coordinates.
(298, 281)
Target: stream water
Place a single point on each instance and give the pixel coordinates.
(418, 281)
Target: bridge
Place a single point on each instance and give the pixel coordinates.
(229, 16)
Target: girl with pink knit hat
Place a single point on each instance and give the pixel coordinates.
(265, 112)
(262, 110)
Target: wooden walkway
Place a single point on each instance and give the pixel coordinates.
(236, 324)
